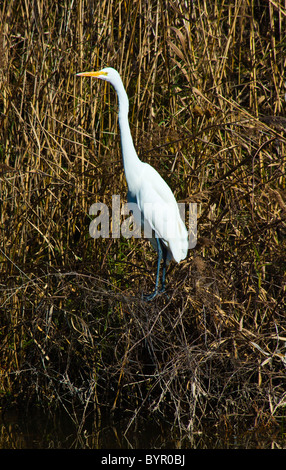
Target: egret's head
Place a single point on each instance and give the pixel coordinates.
(109, 74)
(112, 76)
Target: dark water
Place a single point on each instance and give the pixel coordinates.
(39, 430)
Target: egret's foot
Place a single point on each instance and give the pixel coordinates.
(150, 296)
(154, 294)
(162, 291)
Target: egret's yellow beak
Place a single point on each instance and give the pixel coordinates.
(92, 74)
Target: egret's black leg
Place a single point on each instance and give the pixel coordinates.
(160, 254)
(165, 253)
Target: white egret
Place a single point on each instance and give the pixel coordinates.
(157, 206)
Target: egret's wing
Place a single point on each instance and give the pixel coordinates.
(160, 210)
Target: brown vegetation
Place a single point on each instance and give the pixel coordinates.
(207, 102)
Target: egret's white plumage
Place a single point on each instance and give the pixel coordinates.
(156, 202)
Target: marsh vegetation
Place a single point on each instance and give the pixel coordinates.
(206, 82)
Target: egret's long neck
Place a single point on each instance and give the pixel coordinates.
(131, 161)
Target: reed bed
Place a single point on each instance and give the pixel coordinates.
(206, 83)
